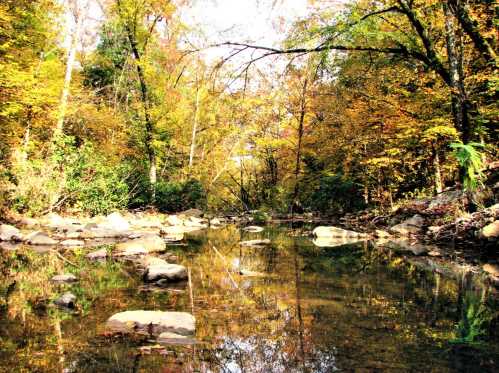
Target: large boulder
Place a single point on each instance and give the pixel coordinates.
(411, 226)
(196, 213)
(174, 220)
(117, 222)
(67, 300)
(152, 322)
(72, 243)
(492, 269)
(140, 246)
(98, 254)
(9, 233)
(491, 230)
(171, 272)
(323, 231)
(39, 238)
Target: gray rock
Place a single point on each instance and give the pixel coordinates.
(410, 226)
(253, 243)
(192, 213)
(67, 300)
(169, 338)
(117, 222)
(253, 229)
(491, 230)
(174, 220)
(152, 322)
(322, 231)
(99, 254)
(64, 278)
(381, 233)
(215, 222)
(9, 233)
(72, 243)
(170, 272)
(39, 238)
(492, 269)
(141, 246)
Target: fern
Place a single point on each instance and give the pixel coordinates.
(470, 159)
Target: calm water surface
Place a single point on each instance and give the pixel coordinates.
(300, 308)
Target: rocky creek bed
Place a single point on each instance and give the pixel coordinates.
(147, 293)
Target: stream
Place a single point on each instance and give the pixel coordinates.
(295, 308)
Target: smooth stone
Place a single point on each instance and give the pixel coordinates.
(147, 261)
(174, 220)
(492, 269)
(491, 230)
(215, 221)
(256, 242)
(116, 221)
(253, 229)
(64, 278)
(39, 238)
(170, 272)
(196, 213)
(71, 242)
(66, 300)
(152, 322)
(9, 233)
(381, 233)
(323, 231)
(169, 338)
(98, 254)
(410, 226)
(140, 246)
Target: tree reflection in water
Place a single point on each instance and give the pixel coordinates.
(302, 309)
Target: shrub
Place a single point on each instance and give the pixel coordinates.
(176, 196)
(73, 177)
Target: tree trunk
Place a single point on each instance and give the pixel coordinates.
(303, 108)
(471, 27)
(194, 129)
(459, 100)
(151, 154)
(438, 173)
(66, 90)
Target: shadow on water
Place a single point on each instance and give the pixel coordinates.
(299, 308)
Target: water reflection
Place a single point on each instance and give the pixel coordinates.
(309, 309)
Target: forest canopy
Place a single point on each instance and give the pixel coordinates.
(362, 103)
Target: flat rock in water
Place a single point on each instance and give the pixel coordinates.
(335, 241)
(170, 272)
(72, 242)
(141, 246)
(66, 300)
(152, 322)
(491, 230)
(98, 254)
(174, 220)
(64, 278)
(9, 233)
(323, 231)
(116, 221)
(192, 213)
(410, 226)
(492, 269)
(39, 238)
(256, 242)
(253, 229)
(147, 261)
(169, 338)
